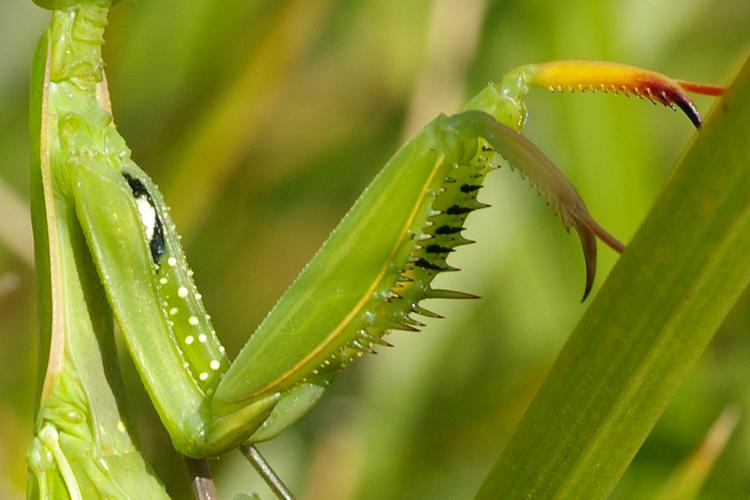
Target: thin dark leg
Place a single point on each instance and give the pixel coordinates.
(201, 480)
(266, 472)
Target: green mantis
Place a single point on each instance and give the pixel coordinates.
(106, 246)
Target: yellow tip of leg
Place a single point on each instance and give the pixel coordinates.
(620, 78)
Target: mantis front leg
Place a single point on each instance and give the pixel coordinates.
(104, 215)
(395, 240)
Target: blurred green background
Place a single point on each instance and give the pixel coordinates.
(262, 120)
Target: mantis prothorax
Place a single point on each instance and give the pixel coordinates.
(106, 245)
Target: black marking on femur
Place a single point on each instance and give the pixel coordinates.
(448, 229)
(156, 244)
(437, 249)
(468, 188)
(458, 210)
(426, 264)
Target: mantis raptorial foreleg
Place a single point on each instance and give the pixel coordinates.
(106, 245)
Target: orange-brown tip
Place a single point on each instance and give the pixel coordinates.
(669, 93)
(588, 244)
(588, 231)
(699, 88)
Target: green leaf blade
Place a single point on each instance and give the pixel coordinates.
(651, 321)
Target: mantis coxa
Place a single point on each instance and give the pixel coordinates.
(106, 247)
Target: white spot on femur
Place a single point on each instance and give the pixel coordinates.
(172, 261)
(222, 349)
(214, 365)
(173, 311)
(193, 320)
(120, 426)
(148, 216)
(202, 338)
(163, 281)
(203, 376)
(198, 296)
(182, 292)
(189, 339)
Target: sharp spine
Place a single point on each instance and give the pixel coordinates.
(395, 325)
(408, 320)
(373, 339)
(448, 229)
(438, 293)
(416, 308)
(460, 240)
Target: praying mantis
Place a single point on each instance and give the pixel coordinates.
(106, 247)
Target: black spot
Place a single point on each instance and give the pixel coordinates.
(469, 188)
(448, 229)
(156, 245)
(136, 186)
(438, 249)
(458, 210)
(426, 264)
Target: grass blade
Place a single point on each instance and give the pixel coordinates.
(659, 308)
(687, 479)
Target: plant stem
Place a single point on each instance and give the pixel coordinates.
(202, 483)
(266, 472)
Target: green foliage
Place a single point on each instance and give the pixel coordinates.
(661, 305)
